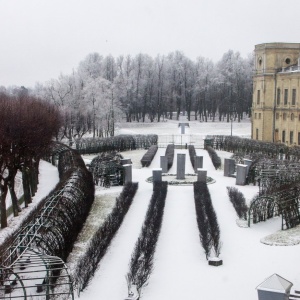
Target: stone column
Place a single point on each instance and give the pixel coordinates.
(182, 125)
(157, 175)
(201, 175)
(164, 164)
(229, 166)
(127, 173)
(248, 163)
(241, 174)
(198, 162)
(180, 166)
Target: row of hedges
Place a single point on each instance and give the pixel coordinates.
(238, 201)
(73, 195)
(244, 145)
(216, 160)
(141, 263)
(116, 143)
(192, 153)
(170, 155)
(208, 226)
(149, 155)
(99, 243)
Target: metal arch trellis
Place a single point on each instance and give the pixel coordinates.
(33, 275)
(107, 173)
(30, 239)
(261, 209)
(284, 203)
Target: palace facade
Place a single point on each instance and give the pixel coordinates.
(276, 93)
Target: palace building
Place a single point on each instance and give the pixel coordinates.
(276, 93)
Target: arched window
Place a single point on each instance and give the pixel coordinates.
(284, 116)
(292, 117)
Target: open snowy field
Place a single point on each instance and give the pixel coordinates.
(195, 127)
(181, 270)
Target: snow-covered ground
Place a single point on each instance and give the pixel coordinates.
(181, 270)
(48, 178)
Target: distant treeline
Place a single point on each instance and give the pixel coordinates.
(103, 90)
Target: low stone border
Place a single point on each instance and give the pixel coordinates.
(189, 179)
(289, 237)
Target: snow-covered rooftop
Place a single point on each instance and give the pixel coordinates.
(275, 283)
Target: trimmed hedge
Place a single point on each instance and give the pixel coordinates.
(208, 226)
(99, 243)
(192, 153)
(238, 201)
(216, 160)
(116, 143)
(149, 155)
(170, 155)
(141, 263)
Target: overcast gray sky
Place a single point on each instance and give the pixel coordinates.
(39, 39)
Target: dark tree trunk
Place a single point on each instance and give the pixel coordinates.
(3, 206)
(14, 199)
(26, 187)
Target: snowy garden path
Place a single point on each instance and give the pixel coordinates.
(109, 281)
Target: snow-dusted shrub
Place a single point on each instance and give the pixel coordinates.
(170, 155)
(207, 220)
(99, 243)
(141, 263)
(216, 160)
(115, 143)
(272, 150)
(192, 153)
(149, 155)
(238, 201)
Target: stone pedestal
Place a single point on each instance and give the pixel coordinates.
(156, 176)
(229, 167)
(180, 166)
(182, 125)
(198, 163)
(215, 262)
(127, 173)
(201, 175)
(241, 174)
(248, 163)
(164, 164)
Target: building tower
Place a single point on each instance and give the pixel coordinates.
(276, 89)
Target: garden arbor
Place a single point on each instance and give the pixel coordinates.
(285, 203)
(107, 169)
